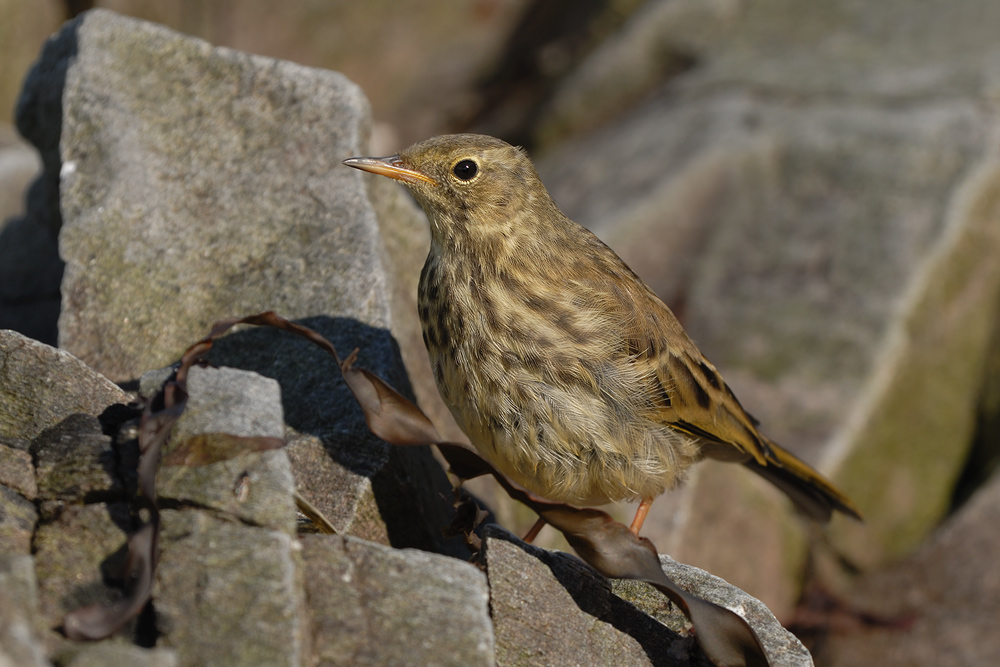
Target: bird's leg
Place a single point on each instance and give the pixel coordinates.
(535, 529)
(640, 515)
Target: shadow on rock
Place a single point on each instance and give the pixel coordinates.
(410, 489)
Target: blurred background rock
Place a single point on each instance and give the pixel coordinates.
(813, 187)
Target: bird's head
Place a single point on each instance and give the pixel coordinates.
(465, 180)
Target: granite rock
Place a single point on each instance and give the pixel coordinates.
(40, 386)
(551, 608)
(221, 403)
(371, 605)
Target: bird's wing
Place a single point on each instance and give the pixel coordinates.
(696, 400)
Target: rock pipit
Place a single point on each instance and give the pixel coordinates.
(563, 368)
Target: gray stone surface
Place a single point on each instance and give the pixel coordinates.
(196, 183)
(53, 452)
(16, 469)
(18, 607)
(227, 593)
(239, 403)
(331, 489)
(783, 649)
(79, 555)
(76, 462)
(40, 385)
(17, 522)
(118, 654)
(550, 608)
(228, 400)
(839, 49)
(371, 605)
(227, 589)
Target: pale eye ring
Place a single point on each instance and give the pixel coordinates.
(465, 170)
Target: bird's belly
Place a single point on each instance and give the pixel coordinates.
(564, 443)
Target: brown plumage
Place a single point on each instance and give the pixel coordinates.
(563, 368)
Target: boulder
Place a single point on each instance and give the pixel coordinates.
(551, 608)
(40, 386)
(226, 592)
(222, 403)
(371, 605)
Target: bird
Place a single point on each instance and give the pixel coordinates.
(565, 370)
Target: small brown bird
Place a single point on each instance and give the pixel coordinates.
(563, 368)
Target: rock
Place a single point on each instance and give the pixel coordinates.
(777, 45)
(829, 247)
(40, 386)
(227, 402)
(331, 489)
(550, 608)
(782, 647)
(370, 605)
(16, 469)
(118, 654)
(50, 404)
(658, 42)
(939, 605)
(76, 462)
(376, 489)
(226, 587)
(18, 607)
(79, 555)
(227, 593)
(905, 446)
(236, 179)
(17, 522)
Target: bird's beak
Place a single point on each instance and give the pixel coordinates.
(391, 166)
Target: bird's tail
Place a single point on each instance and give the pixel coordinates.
(809, 490)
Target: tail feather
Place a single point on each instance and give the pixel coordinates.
(809, 490)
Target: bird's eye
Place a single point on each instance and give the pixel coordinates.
(465, 170)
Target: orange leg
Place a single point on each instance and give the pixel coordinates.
(535, 529)
(640, 515)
